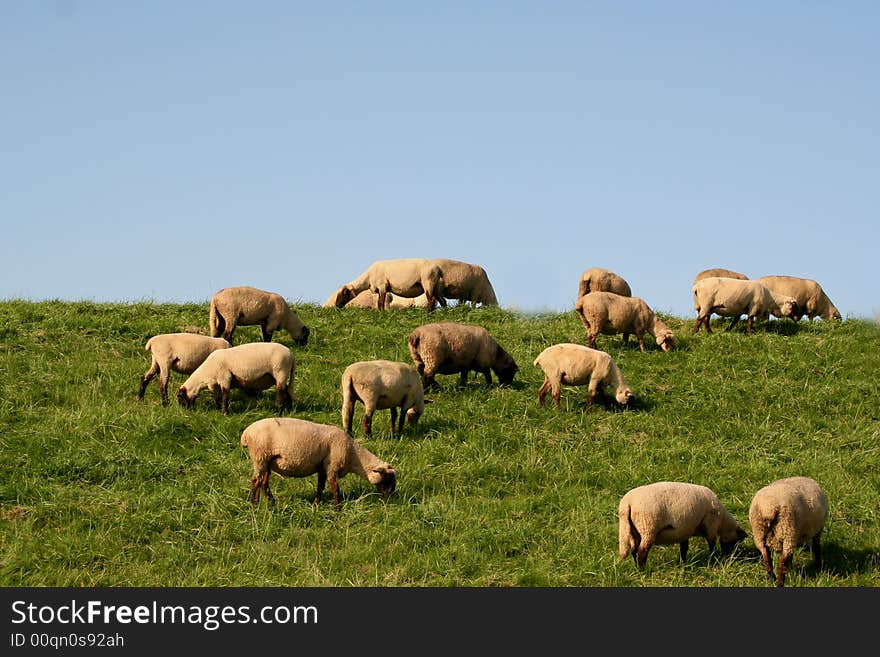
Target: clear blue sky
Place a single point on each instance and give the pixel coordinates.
(163, 150)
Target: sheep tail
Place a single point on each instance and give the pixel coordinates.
(147, 346)
(348, 399)
(626, 541)
(244, 438)
(216, 320)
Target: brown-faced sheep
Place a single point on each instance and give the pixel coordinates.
(597, 279)
(718, 272)
(784, 515)
(381, 384)
(298, 448)
(405, 277)
(466, 282)
(730, 297)
(452, 347)
(253, 366)
(811, 298)
(669, 512)
(610, 314)
(178, 352)
(576, 365)
(248, 306)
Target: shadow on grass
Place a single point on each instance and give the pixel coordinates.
(837, 560)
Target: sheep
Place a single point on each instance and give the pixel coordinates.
(180, 352)
(597, 279)
(252, 366)
(381, 384)
(723, 273)
(668, 512)
(466, 282)
(452, 347)
(299, 448)
(576, 365)
(731, 297)
(811, 298)
(247, 306)
(609, 313)
(784, 515)
(406, 277)
(369, 299)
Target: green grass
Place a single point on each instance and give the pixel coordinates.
(99, 490)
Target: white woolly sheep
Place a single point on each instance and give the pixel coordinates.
(576, 365)
(669, 512)
(609, 314)
(730, 297)
(466, 282)
(453, 347)
(369, 299)
(178, 352)
(298, 448)
(253, 366)
(597, 279)
(405, 277)
(248, 306)
(784, 515)
(811, 298)
(718, 272)
(381, 384)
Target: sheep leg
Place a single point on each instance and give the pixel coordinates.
(400, 422)
(766, 557)
(642, 553)
(334, 486)
(733, 321)
(265, 485)
(394, 420)
(230, 329)
(817, 552)
(543, 391)
(215, 392)
(322, 479)
(625, 340)
(784, 565)
(224, 400)
(683, 550)
(368, 421)
(255, 488)
(463, 377)
(641, 338)
(749, 325)
(267, 334)
(285, 400)
(381, 301)
(591, 340)
(146, 378)
(163, 384)
(488, 374)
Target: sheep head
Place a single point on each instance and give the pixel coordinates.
(505, 368)
(183, 397)
(624, 397)
(728, 542)
(384, 478)
(788, 307)
(344, 295)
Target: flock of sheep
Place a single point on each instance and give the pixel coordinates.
(783, 515)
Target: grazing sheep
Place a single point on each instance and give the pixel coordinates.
(576, 365)
(722, 273)
(730, 297)
(602, 280)
(668, 512)
(299, 448)
(811, 298)
(178, 352)
(452, 347)
(405, 277)
(466, 282)
(247, 306)
(381, 384)
(609, 313)
(784, 515)
(252, 366)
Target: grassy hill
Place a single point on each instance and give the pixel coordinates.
(99, 490)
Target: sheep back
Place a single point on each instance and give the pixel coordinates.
(718, 272)
(669, 512)
(466, 282)
(785, 514)
(597, 279)
(453, 347)
(811, 298)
